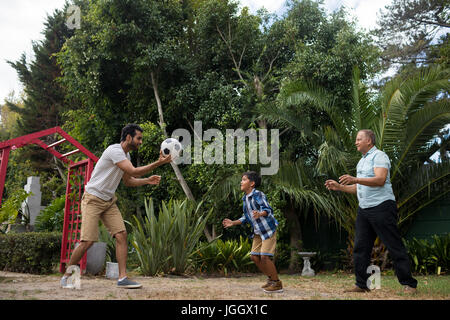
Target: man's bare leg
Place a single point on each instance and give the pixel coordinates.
(78, 253)
(122, 253)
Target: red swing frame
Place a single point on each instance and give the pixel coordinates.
(78, 175)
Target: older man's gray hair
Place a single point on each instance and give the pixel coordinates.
(369, 134)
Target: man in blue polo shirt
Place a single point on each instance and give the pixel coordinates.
(377, 213)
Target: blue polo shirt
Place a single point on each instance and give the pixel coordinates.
(372, 196)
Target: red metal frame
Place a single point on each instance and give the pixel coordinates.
(78, 175)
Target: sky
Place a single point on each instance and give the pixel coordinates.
(22, 21)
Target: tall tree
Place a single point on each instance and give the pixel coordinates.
(44, 97)
(410, 29)
(413, 112)
(126, 62)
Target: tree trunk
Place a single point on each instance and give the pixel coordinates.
(295, 234)
(60, 171)
(162, 124)
(175, 168)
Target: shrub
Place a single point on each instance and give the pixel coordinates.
(282, 255)
(165, 244)
(12, 207)
(105, 237)
(224, 256)
(427, 256)
(30, 252)
(52, 217)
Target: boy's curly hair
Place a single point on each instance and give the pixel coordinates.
(253, 176)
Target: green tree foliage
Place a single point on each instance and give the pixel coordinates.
(108, 62)
(166, 64)
(409, 31)
(44, 97)
(13, 206)
(9, 118)
(52, 217)
(406, 118)
(327, 53)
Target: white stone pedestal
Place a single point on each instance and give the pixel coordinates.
(32, 205)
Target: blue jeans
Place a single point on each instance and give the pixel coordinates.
(380, 221)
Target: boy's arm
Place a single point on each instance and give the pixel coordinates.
(228, 223)
(259, 214)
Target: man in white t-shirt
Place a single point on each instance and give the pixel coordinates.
(99, 200)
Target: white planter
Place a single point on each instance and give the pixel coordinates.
(95, 259)
(112, 270)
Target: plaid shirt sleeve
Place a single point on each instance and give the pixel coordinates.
(243, 219)
(261, 200)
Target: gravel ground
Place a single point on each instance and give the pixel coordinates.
(18, 286)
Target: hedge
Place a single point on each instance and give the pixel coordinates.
(30, 252)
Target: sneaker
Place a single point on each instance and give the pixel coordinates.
(128, 284)
(357, 289)
(275, 286)
(267, 284)
(63, 283)
(409, 290)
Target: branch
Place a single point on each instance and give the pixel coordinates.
(228, 44)
(439, 23)
(270, 65)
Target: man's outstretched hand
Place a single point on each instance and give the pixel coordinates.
(164, 159)
(154, 180)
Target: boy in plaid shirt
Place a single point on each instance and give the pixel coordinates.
(259, 214)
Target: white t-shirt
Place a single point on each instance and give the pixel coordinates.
(106, 175)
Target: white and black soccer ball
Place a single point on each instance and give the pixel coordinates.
(173, 147)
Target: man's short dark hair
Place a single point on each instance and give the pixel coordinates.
(130, 129)
(369, 134)
(253, 176)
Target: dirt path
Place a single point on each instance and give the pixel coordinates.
(17, 286)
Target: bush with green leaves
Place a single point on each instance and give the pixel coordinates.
(224, 256)
(165, 242)
(12, 207)
(105, 237)
(52, 217)
(30, 252)
(427, 256)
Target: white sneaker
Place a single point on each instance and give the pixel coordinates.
(64, 284)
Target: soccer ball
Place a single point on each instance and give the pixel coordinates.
(173, 147)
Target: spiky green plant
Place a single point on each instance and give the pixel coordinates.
(165, 242)
(224, 256)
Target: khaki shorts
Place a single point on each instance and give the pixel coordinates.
(264, 247)
(94, 209)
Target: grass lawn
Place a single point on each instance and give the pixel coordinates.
(429, 286)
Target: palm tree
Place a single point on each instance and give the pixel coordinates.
(410, 114)
(298, 184)
(301, 187)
